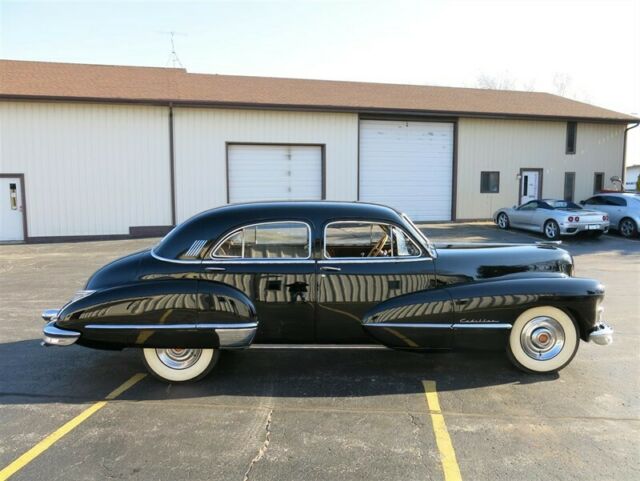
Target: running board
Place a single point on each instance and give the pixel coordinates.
(317, 346)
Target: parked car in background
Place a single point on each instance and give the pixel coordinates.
(553, 218)
(622, 208)
(329, 273)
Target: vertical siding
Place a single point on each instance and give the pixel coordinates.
(201, 136)
(89, 169)
(508, 145)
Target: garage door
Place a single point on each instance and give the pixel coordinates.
(274, 172)
(407, 165)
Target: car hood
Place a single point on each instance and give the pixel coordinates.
(472, 262)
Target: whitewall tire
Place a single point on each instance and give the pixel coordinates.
(543, 339)
(180, 364)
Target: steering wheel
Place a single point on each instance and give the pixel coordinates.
(377, 249)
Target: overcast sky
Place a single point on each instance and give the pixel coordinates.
(594, 45)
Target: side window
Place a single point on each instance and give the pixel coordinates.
(489, 182)
(572, 136)
(529, 205)
(616, 201)
(367, 239)
(594, 201)
(272, 240)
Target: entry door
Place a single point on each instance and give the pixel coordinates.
(11, 209)
(529, 186)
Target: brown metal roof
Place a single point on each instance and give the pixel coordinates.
(22, 79)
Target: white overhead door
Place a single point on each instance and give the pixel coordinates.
(408, 166)
(274, 172)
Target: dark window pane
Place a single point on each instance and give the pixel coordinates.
(569, 185)
(489, 182)
(572, 134)
(598, 182)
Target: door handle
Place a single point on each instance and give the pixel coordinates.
(215, 268)
(330, 269)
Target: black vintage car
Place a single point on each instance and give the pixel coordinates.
(329, 273)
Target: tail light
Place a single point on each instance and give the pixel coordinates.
(570, 218)
(577, 219)
(605, 217)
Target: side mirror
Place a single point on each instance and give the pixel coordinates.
(515, 206)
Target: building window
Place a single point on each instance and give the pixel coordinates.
(569, 185)
(572, 136)
(489, 182)
(598, 182)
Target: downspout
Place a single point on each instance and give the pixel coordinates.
(172, 166)
(624, 154)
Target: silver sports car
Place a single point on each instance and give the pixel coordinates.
(622, 208)
(553, 218)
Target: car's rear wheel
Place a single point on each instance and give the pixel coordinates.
(180, 364)
(543, 339)
(628, 227)
(503, 220)
(551, 230)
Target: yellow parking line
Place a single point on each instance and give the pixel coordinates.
(52, 438)
(443, 441)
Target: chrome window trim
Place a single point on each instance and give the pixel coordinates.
(357, 260)
(326, 257)
(232, 261)
(247, 325)
(427, 244)
(262, 259)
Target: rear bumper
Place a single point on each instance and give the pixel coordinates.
(54, 336)
(602, 335)
(573, 229)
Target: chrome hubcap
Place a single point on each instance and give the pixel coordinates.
(551, 230)
(178, 358)
(626, 228)
(542, 338)
(502, 221)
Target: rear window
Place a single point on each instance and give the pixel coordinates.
(273, 240)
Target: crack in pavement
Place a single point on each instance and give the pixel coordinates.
(263, 448)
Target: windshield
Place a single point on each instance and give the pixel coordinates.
(420, 236)
(562, 204)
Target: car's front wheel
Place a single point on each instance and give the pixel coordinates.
(503, 220)
(628, 227)
(551, 230)
(543, 339)
(180, 364)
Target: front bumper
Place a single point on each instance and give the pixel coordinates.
(54, 336)
(575, 228)
(602, 335)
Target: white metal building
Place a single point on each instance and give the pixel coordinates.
(92, 151)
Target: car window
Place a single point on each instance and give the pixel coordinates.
(367, 239)
(594, 201)
(617, 201)
(271, 240)
(531, 205)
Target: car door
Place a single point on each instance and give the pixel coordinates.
(271, 263)
(616, 207)
(367, 263)
(522, 216)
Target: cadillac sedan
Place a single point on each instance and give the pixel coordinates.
(326, 274)
(553, 218)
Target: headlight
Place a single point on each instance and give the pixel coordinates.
(81, 295)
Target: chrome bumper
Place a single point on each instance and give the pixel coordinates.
(602, 335)
(54, 336)
(573, 229)
(50, 314)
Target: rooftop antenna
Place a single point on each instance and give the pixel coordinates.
(173, 61)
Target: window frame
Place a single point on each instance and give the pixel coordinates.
(568, 175)
(211, 257)
(571, 149)
(326, 257)
(595, 176)
(489, 172)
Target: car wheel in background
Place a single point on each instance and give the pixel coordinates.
(503, 220)
(178, 365)
(543, 339)
(551, 230)
(628, 227)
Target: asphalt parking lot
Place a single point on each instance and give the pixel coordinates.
(316, 414)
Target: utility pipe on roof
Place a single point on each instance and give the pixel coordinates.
(624, 154)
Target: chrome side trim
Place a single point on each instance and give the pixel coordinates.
(482, 325)
(146, 327)
(361, 260)
(223, 261)
(319, 346)
(477, 325)
(50, 314)
(54, 336)
(236, 338)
